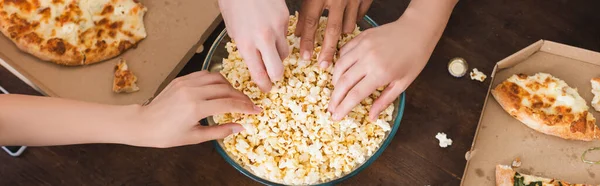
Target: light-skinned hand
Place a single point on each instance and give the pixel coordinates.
(171, 119)
(391, 55)
(259, 29)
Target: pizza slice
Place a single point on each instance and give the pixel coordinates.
(125, 80)
(73, 32)
(596, 91)
(548, 105)
(506, 176)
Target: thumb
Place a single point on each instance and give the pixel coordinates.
(207, 133)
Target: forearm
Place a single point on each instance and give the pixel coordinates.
(431, 15)
(44, 121)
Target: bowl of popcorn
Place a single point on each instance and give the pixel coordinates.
(294, 141)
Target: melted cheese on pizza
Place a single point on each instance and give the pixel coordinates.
(99, 28)
(547, 104)
(125, 80)
(596, 91)
(528, 179)
(118, 19)
(549, 94)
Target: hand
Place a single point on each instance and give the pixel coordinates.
(343, 15)
(171, 119)
(259, 29)
(392, 55)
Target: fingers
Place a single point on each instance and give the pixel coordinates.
(346, 82)
(332, 33)
(363, 89)
(202, 79)
(282, 47)
(309, 21)
(183, 78)
(202, 134)
(281, 40)
(272, 60)
(220, 91)
(342, 65)
(364, 7)
(197, 79)
(303, 8)
(388, 96)
(258, 73)
(196, 74)
(230, 105)
(350, 16)
(350, 45)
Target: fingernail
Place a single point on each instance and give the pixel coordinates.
(324, 64)
(257, 108)
(336, 117)
(237, 129)
(306, 56)
(372, 118)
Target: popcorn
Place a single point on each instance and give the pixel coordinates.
(383, 124)
(294, 140)
(444, 140)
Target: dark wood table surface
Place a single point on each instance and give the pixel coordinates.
(481, 31)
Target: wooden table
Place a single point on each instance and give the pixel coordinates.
(481, 31)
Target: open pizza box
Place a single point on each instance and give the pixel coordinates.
(500, 138)
(176, 30)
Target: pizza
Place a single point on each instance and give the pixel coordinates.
(506, 176)
(125, 80)
(73, 32)
(596, 91)
(548, 105)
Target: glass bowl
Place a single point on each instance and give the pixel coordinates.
(213, 63)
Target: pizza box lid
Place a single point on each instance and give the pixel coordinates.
(175, 31)
(500, 138)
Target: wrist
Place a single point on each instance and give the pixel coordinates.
(428, 18)
(431, 14)
(127, 126)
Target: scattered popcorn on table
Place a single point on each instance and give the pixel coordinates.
(294, 140)
(444, 141)
(477, 75)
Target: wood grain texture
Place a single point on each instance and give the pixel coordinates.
(481, 31)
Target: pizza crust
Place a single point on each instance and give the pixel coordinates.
(596, 91)
(125, 80)
(504, 175)
(108, 53)
(122, 29)
(538, 124)
(507, 96)
(71, 57)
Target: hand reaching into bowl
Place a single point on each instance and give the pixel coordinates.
(343, 15)
(171, 119)
(393, 55)
(259, 29)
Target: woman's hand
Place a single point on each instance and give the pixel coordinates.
(171, 119)
(391, 55)
(343, 15)
(259, 29)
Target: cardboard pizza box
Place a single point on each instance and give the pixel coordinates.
(500, 138)
(175, 30)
